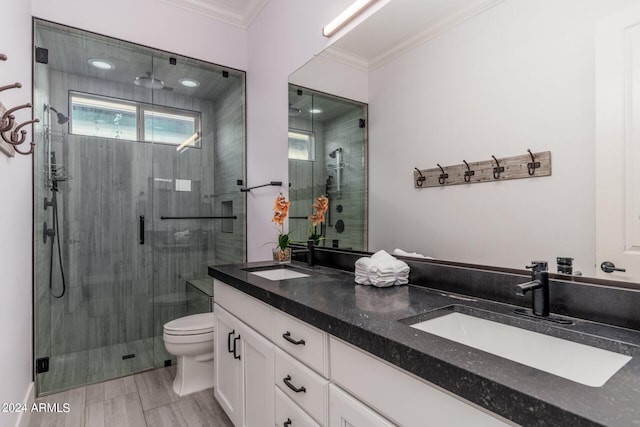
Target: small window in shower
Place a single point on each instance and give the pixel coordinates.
(171, 126)
(103, 117)
(302, 145)
(227, 211)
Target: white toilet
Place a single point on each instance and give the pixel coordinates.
(190, 338)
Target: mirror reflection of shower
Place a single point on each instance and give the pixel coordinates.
(54, 174)
(338, 167)
(327, 156)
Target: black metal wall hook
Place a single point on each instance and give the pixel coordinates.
(468, 173)
(3, 57)
(531, 167)
(420, 179)
(443, 176)
(498, 169)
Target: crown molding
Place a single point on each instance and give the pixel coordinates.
(443, 25)
(239, 16)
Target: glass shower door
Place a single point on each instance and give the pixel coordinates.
(198, 211)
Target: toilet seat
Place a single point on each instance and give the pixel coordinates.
(195, 324)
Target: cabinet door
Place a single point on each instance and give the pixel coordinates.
(345, 411)
(257, 378)
(227, 368)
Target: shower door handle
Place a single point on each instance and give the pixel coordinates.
(142, 229)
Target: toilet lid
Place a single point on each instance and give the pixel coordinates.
(190, 325)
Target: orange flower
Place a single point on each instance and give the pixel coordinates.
(321, 205)
(280, 205)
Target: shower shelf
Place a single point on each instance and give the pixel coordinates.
(11, 132)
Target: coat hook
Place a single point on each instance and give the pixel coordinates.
(498, 169)
(443, 176)
(420, 179)
(16, 85)
(6, 122)
(468, 173)
(531, 167)
(25, 153)
(3, 57)
(13, 137)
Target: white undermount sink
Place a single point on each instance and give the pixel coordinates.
(279, 274)
(581, 363)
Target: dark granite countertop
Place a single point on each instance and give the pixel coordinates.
(369, 318)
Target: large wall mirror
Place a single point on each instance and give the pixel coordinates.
(448, 81)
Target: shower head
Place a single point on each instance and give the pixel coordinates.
(62, 119)
(333, 153)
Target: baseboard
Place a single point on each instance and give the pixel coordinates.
(29, 399)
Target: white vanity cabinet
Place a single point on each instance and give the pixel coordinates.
(301, 367)
(398, 395)
(344, 410)
(273, 369)
(244, 359)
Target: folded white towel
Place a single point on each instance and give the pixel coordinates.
(381, 269)
(400, 252)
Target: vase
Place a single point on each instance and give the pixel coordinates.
(282, 256)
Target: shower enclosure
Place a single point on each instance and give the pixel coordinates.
(328, 156)
(135, 194)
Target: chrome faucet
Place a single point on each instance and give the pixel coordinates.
(539, 285)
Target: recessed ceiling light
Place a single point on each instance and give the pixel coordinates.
(102, 64)
(316, 110)
(189, 82)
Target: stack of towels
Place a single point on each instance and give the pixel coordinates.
(381, 269)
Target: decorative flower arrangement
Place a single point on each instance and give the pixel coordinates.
(319, 209)
(280, 210)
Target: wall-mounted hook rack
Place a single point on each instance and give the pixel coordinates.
(11, 135)
(528, 165)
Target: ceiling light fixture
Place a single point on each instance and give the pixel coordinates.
(102, 64)
(316, 110)
(347, 15)
(187, 82)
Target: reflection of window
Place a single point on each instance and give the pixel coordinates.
(104, 117)
(302, 145)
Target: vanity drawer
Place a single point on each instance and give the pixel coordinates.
(303, 341)
(252, 312)
(306, 388)
(398, 395)
(288, 411)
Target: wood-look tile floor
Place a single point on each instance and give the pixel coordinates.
(141, 400)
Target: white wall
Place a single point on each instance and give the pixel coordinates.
(330, 76)
(283, 37)
(155, 24)
(519, 76)
(15, 217)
